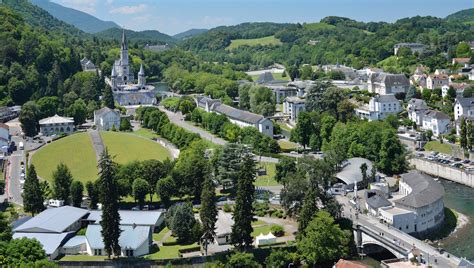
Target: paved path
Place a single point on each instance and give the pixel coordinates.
(97, 143)
(403, 239)
(13, 187)
(178, 119)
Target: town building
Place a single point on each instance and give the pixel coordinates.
(236, 116)
(7, 114)
(461, 61)
(349, 72)
(463, 107)
(151, 219)
(416, 108)
(56, 125)
(471, 75)
(385, 83)
(292, 106)
(417, 207)
(87, 65)
(350, 171)
(414, 47)
(282, 91)
(435, 121)
(106, 119)
(122, 81)
(437, 81)
(4, 137)
(157, 48)
(379, 107)
(223, 227)
(418, 79)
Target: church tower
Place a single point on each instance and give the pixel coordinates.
(113, 78)
(124, 71)
(141, 76)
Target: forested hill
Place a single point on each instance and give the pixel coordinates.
(143, 37)
(38, 17)
(466, 15)
(189, 33)
(334, 39)
(79, 19)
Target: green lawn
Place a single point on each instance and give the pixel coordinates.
(127, 147)
(438, 147)
(287, 145)
(83, 258)
(264, 41)
(276, 76)
(158, 236)
(146, 133)
(168, 252)
(265, 229)
(269, 179)
(284, 126)
(75, 151)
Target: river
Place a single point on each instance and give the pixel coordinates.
(461, 199)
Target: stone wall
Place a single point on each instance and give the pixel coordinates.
(443, 171)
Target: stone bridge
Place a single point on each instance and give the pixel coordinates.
(365, 237)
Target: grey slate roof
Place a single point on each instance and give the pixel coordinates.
(295, 100)
(386, 98)
(202, 100)
(351, 173)
(101, 112)
(130, 217)
(417, 104)
(437, 114)
(130, 238)
(266, 77)
(390, 79)
(50, 242)
(52, 220)
(425, 190)
(376, 199)
(237, 114)
(466, 102)
(224, 223)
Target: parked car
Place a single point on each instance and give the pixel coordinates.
(467, 161)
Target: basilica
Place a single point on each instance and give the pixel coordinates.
(122, 81)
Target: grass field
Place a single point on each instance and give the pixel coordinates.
(158, 236)
(168, 252)
(318, 26)
(438, 147)
(75, 151)
(276, 76)
(264, 41)
(269, 179)
(287, 145)
(127, 147)
(146, 133)
(265, 229)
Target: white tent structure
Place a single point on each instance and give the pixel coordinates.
(262, 239)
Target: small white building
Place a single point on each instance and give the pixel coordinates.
(379, 107)
(463, 107)
(265, 239)
(435, 121)
(444, 90)
(414, 47)
(56, 125)
(4, 137)
(292, 106)
(416, 109)
(437, 81)
(386, 83)
(106, 119)
(223, 227)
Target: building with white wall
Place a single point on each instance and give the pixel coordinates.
(379, 107)
(416, 109)
(437, 81)
(292, 106)
(414, 47)
(435, 121)
(56, 125)
(386, 83)
(106, 119)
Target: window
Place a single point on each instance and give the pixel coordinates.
(129, 252)
(98, 252)
(267, 127)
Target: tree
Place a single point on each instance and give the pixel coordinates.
(285, 166)
(108, 97)
(140, 190)
(463, 50)
(363, 170)
(22, 252)
(125, 124)
(77, 190)
(470, 135)
(241, 235)
(165, 189)
(229, 164)
(5, 228)
(463, 133)
(208, 212)
(309, 208)
(242, 260)
(62, 180)
(293, 72)
(32, 195)
(151, 171)
(345, 110)
(48, 106)
(392, 154)
(78, 110)
(304, 129)
(392, 121)
(93, 194)
(29, 116)
(324, 240)
(281, 258)
(109, 198)
(180, 220)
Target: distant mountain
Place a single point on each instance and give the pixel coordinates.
(81, 20)
(189, 33)
(38, 17)
(466, 15)
(144, 37)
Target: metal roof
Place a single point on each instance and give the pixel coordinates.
(75, 241)
(131, 237)
(376, 199)
(425, 190)
(104, 111)
(50, 242)
(351, 173)
(56, 119)
(224, 223)
(52, 220)
(237, 114)
(130, 217)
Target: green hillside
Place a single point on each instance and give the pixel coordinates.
(466, 15)
(142, 37)
(79, 19)
(264, 41)
(189, 33)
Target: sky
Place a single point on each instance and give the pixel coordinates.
(175, 16)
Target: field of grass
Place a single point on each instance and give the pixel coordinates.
(287, 145)
(264, 41)
(127, 147)
(83, 258)
(264, 229)
(438, 147)
(75, 151)
(168, 252)
(318, 26)
(276, 76)
(269, 179)
(146, 133)
(158, 236)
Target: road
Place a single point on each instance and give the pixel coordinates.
(178, 119)
(14, 165)
(430, 254)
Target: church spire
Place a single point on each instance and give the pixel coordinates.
(124, 41)
(141, 72)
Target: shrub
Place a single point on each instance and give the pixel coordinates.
(227, 208)
(277, 230)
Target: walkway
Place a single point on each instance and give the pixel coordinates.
(97, 143)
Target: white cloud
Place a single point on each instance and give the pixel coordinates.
(129, 9)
